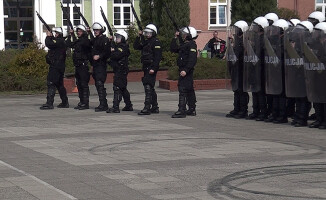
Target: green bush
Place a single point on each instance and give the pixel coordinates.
(205, 69)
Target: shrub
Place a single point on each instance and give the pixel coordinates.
(205, 69)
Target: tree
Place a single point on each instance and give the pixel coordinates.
(248, 10)
(155, 12)
(287, 14)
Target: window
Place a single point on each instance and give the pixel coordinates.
(321, 6)
(121, 13)
(73, 12)
(18, 23)
(217, 12)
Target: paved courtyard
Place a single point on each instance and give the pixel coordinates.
(65, 154)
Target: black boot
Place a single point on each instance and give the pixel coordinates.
(282, 117)
(148, 101)
(117, 97)
(102, 98)
(244, 100)
(49, 98)
(85, 99)
(154, 109)
(236, 105)
(126, 99)
(181, 113)
(63, 96)
(80, 95)
(262, 102)
(191, 101)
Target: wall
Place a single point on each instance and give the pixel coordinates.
(303, 7)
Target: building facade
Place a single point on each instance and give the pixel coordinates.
(215, 15)
(20, 24)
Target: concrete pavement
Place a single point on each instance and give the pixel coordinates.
(68, 154)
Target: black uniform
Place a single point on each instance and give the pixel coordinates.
(151, 55)
(187, 60)
(119, 63)
(241, 98)
(217, 51)
(81, 55)
(56, 58)
(259, 99)
(100, 46)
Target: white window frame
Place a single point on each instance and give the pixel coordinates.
(122, 6)
(216, 5)
(71, 7)
(322, 5)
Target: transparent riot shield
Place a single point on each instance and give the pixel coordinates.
(315, 65)
(295, 85)
(273, 60)
(232, 61)
(252, 42)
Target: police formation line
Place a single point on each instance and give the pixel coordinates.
(282, 63)
(98, 50)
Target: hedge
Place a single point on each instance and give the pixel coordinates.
(205, 68)
(26, 70)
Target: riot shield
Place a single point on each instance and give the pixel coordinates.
(273, 60)
(315, 66)
(232, 61)
(252, 42)
(295, 85)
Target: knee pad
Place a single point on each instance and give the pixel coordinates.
(148, 88)
(116, 88)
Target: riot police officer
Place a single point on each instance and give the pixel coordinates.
(254, 68)
(235, 68)
(119, 62)
(56, 58)
(295, 75)
(151, 55)
(274, 70)
(187, 60)
(101, 50)
(315, 71)
(272, 18)
(315, 18)
(81, 55)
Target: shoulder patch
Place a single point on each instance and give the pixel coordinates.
(193, 50)
(54, 41)
(120, 49)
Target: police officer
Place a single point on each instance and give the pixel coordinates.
(271, 17)
(290, 102)
(241, 98)
(301, 103)
(101, 50)
(119, 62)
(81, 54)
(274, 68)
(56, 58)
(315, 18)
(259, 102)
(187, 60)
(151, 55)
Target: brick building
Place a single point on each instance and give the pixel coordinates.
(210, 15)
(19, 23)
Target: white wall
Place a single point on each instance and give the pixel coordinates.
(47, 10)
(2, 27)
(96, 14)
